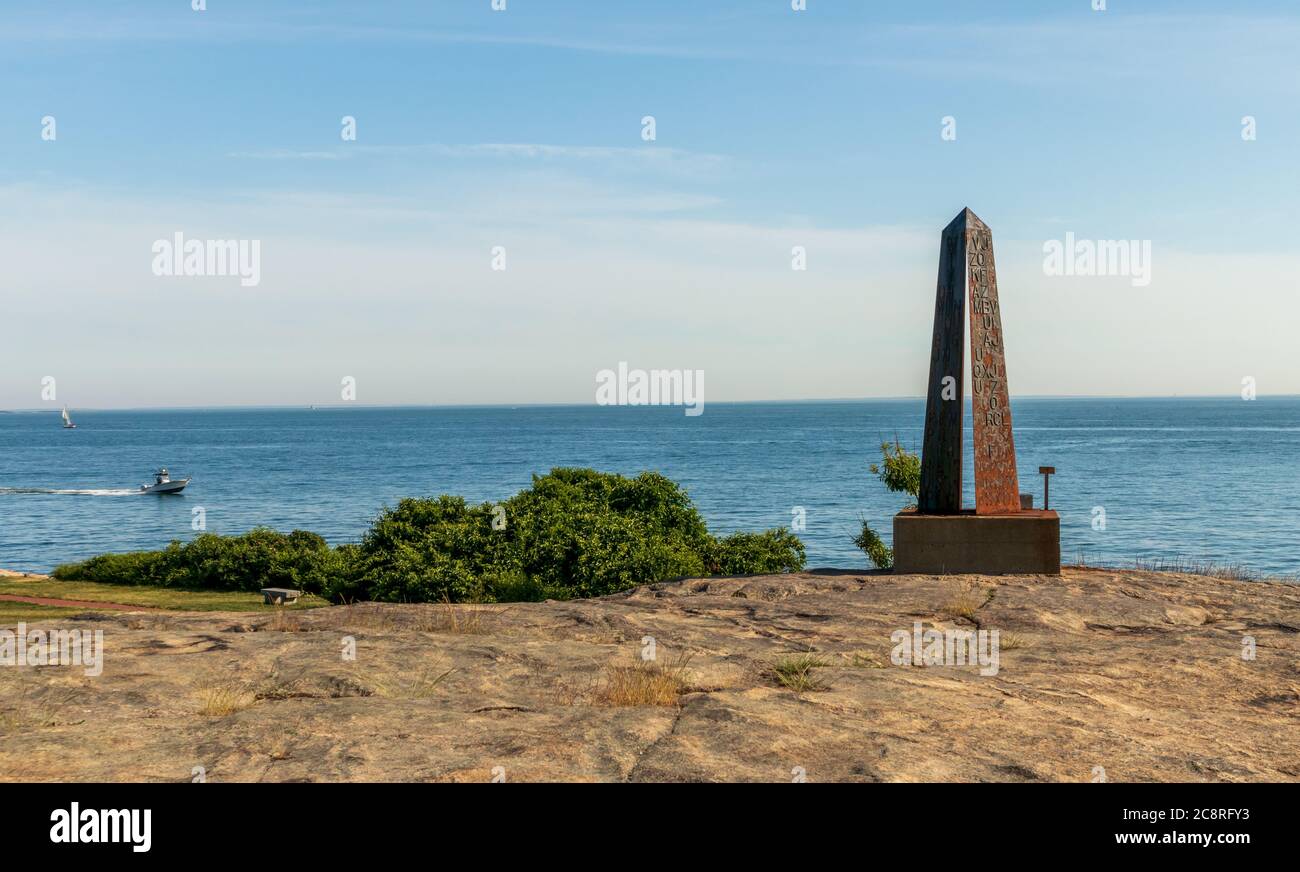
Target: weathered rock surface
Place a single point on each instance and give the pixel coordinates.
(1139, 673)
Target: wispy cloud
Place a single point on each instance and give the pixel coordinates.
(1049, 50)
(289, 154)
(262, 28)
(649, 154)
(537, 40)
(1109, 45)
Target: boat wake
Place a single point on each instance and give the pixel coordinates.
(78, 492)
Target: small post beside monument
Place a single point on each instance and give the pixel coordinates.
(1046, 472)
(1003, 534)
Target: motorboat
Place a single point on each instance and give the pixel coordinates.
(164, 484)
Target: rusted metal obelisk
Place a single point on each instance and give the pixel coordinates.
(967, 273)
(999, 537)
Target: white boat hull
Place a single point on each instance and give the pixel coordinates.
(166, 487)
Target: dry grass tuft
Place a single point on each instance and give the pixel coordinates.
(866, 660)
(467, 619)
(218, 701)
(283, 622)
(366, 616)
(1188, 566)
(573, 693)
(966, 601)
(420, 684)
(1011, 641)
(278, 686)
(284, 745)
(457, 618)
(643, 683)
(796, 672)
(282, 749)
(27, 708)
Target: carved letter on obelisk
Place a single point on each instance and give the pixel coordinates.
(997, 489)
(966, 263)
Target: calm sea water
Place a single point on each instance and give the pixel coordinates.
(1206, 479)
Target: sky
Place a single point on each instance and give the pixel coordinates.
(854, 130)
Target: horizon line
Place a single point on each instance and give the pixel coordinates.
(355, 405)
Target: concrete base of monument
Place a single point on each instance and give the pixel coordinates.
(1023, 543)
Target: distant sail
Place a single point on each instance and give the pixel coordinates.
(67, 422)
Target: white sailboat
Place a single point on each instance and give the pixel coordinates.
(67, 422)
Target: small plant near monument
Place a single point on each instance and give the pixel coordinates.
(966, 602)
(900, 471)
(880, 554)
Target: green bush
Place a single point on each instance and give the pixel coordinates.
(574, 533)
(251, 561)
(424, 550)
(136, 567)
(900, 471)
(515, 587)
(755, 553)
(880, 554)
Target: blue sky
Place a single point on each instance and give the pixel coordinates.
(522, 128)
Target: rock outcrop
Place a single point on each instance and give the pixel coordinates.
(1122, 675)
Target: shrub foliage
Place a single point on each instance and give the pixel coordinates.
(251, 561)
(574, 533)
(900, 471)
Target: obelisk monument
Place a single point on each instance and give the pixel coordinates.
(999, 536)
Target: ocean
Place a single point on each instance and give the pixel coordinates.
(1203, 479)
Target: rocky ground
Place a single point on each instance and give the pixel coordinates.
(1130, 676)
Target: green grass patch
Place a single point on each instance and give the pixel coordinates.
(796, 672)
(180, 599)
(11, 613)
